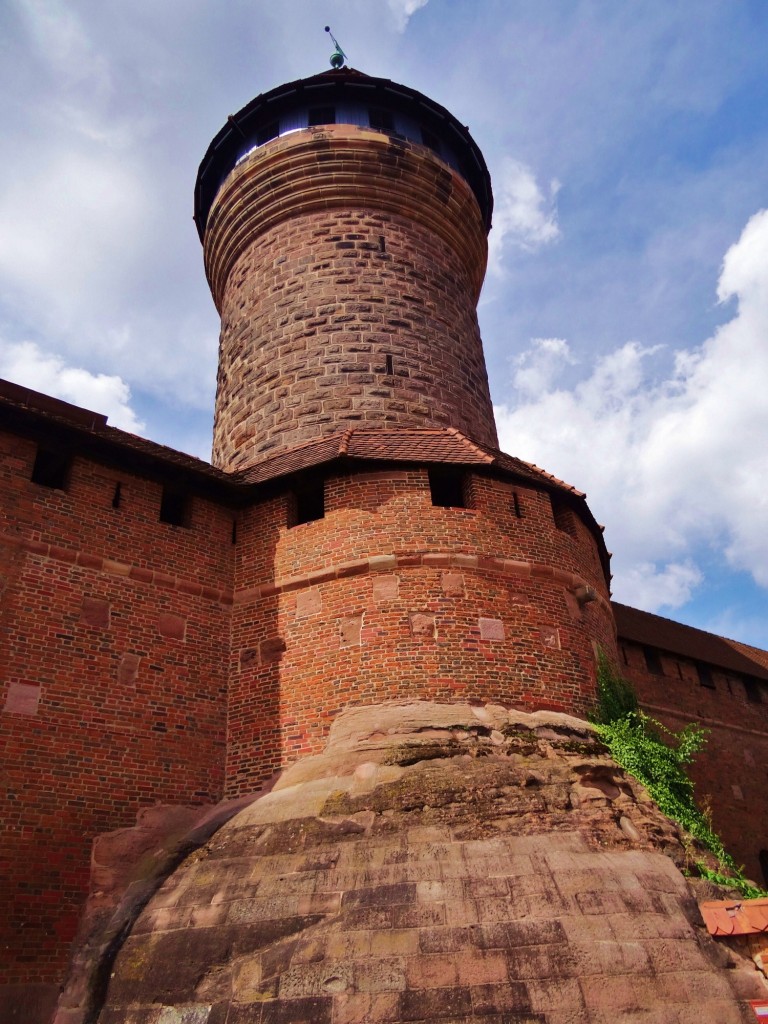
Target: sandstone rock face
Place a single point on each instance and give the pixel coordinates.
(437, 863)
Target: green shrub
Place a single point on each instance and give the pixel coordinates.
(658, 757)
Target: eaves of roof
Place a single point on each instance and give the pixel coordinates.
(655, 631)
(43, 418)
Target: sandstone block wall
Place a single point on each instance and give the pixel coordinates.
(346, 305)
(112, 677)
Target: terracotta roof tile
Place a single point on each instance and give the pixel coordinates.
(655, 631)
(442, 445)
(735, 917)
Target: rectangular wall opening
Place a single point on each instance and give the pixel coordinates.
(51, 469)
(308, 503)
(174, 507)
(563, 515)
(653, 661)
(705, 675)
(753, 690)
(446, 488)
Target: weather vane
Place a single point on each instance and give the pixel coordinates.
(338, 57)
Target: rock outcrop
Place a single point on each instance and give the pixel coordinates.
(436, 863)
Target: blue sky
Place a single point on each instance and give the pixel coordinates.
(625, 311)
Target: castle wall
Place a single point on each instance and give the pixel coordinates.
(730, 774)
(113, 631)
(388, 597)
(356, 308)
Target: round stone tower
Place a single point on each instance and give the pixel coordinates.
(390, 551)
(344, 220)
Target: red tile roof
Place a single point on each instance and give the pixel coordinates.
(654, 631)
(735, 917)
(441, 445)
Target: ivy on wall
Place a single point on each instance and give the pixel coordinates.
(658, 757)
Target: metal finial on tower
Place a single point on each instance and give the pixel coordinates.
(338, 57)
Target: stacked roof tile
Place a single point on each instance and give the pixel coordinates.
(735, 917)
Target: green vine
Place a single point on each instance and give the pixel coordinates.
(658, 758)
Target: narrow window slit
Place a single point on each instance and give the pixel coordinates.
(117, 496)
(390, 368)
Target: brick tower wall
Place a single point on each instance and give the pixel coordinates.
(113, 629)
(389, 597)
(346, 266)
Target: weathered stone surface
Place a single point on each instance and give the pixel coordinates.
(457, 864)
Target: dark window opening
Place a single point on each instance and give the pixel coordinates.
(624, 654)
(763, 857)
(431, 140)
(234, 531)
(679, 669)
(447, 488)
(51, 469)
(517, 507)
(321, 115)
(381, 120)
(117, 497)
(267, 132)
(752, 689)
(309, 503)
(653, 661)
(174, 507)
(705, 675)
(563, 516)
(382, 244)
(390, 367)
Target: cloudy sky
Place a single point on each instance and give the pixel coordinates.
(625, 312)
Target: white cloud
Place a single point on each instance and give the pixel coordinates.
(403, 9)
(538, 367)
(669, 466)
(70, 232)
(525, 214)
(24, 363)
(646, 585)
(58, 36)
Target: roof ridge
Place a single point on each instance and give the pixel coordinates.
(345, 439)
(552, 477)
(486, 457)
